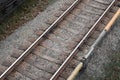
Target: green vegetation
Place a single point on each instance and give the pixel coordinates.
(51, 1)
(25, 12)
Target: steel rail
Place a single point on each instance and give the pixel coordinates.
(33, 45)
(65, 63)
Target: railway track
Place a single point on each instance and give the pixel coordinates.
(70, 34)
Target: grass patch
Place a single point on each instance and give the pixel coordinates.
(51, 1)
(27, 11)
